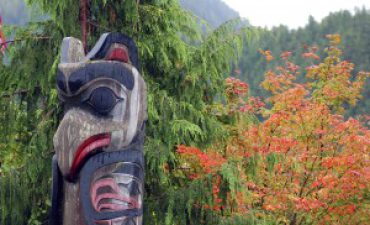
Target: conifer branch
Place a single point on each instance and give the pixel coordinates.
(18, 92)
(98, 26)
(24, 39)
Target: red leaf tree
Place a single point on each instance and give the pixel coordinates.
(304, 163)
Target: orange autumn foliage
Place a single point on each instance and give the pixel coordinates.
(304, 162)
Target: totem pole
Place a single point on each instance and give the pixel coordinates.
(98, 168)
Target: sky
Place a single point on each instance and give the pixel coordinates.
(293, 13)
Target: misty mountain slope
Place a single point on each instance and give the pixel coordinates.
(14, 12)
(215, 12)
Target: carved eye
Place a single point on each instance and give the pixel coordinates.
(103, 100)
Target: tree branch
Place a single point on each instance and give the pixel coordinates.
(19, 92)
(84, 11)
(24, 39)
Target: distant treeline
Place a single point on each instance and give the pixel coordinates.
(354, 29)
(355, 32)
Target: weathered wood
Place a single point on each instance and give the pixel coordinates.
(99, 165)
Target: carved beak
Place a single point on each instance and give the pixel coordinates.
(79, 135)
(86, 149)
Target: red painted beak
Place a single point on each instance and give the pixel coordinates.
(85, 149)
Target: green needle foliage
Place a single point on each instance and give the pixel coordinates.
(184, 71)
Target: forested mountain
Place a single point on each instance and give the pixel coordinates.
(17, 12)
(353, 28)
(215, 12)
(14, 12)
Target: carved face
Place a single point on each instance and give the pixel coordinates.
(104, 101)
(104, 104)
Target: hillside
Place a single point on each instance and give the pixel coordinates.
(353, 28)
(215, 12)
(14, 12)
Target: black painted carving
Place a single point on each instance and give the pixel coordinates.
(98, 173)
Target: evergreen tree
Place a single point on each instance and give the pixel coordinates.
(183, 81)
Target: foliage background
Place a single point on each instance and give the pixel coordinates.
(182, 79)
(185, 68)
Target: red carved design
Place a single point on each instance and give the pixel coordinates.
(118, 54)
(88, 146)
(116, 194)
